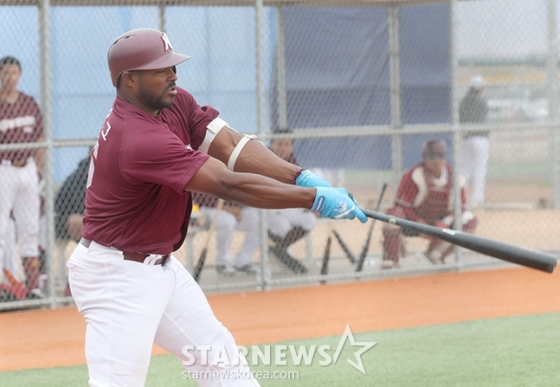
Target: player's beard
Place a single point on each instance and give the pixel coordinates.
(153, 100)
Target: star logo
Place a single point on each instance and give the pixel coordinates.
(365, 346)
(341, 207)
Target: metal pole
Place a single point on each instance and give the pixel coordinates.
(162, 17)
(457, 138)
(552, 71)
(209, 73)
(46, 110)
(281, 63)
(395, 93)
(259, 49)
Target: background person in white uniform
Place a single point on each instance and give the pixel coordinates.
(475, 147)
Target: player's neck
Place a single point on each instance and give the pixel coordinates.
(9, 95)
(134, 101)
(434, 172)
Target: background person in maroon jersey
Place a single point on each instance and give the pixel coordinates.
(20, 122)
(425, 196)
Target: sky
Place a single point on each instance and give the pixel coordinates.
(498, 28)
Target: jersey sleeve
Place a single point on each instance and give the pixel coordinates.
(198, 117)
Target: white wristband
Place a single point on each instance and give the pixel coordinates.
(237, 150)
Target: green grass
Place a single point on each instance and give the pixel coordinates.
(508, 352)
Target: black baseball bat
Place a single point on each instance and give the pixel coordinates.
(326, 256)
(504, 251)
(202, 258)
(363, 254)
(345, 247)
(200, 264)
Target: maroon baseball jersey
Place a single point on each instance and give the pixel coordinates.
(135, 199)
(20, 122)
(423, 196)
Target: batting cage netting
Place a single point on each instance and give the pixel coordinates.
(442, 112)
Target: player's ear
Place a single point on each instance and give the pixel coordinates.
(127, 78)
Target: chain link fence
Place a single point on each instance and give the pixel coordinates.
(355, 91)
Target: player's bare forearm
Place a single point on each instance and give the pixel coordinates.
(248, 188)
(262, 192)
(254, 158)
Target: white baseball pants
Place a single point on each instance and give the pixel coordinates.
(226, 224)
(19, 193)
(129, 306)
(282, 221)
(474, 161)
(10, 260)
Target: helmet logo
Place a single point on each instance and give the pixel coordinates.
(166, 43)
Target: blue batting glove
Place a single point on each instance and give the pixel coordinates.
(344, 190)
(335, 203)
(310, 180)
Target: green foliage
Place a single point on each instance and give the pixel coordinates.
(504, 352)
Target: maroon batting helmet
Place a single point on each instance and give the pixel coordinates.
(141, 49)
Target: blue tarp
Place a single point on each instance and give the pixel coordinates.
(337, 74)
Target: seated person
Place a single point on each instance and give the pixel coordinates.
(335, 176)
(69, 206)
(425, 195)
(69, 203)
(287, 226)
(231, 217)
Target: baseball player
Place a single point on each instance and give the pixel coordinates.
(425, 196)
(20, 122)
(155, 146)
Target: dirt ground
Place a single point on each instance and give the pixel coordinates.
(50, 338)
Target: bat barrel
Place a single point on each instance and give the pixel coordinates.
(507, 252)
